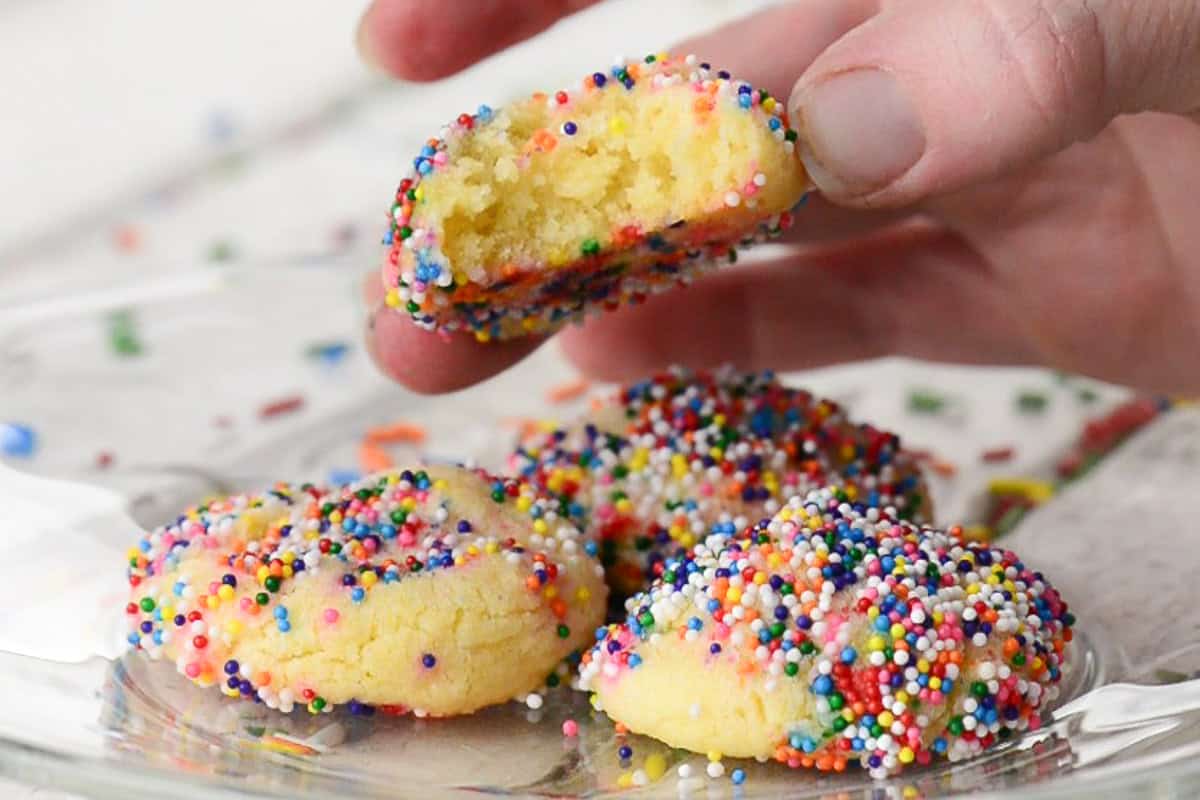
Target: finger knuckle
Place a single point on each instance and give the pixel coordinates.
(1057, 52)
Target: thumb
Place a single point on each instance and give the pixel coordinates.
(929, 96)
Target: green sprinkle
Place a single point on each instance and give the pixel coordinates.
(791, 668)
(147, 604)
(1029, 402)
(563, 631)
(262, 598)
(272, 583)
(955, 726)
(221, 251)
(590, 247)
(923, 401)
(836, 701)
(318, 703)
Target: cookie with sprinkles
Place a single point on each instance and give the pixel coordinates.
(653, 469)
(518, 220)
(834, 634)
(435, 591)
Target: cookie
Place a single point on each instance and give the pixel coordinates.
(516, 221)
(653, 469)
(439, 592)
(834, 634)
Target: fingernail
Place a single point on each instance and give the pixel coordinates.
(859, 131)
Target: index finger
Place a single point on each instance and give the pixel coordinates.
(423, 40)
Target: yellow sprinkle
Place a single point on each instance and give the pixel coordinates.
(872, 612)
(897, 631)
(906, 755)
(482, 336)
(617, 125)
(623, 505)
(734, 595)
(491, 547)
(902, 697)
(886, 719)
(392, 298)
(524, 503)
(875, 643)
(288, 557)
(540, 526)
(368, 579)
(335, 517)
(225, 593)
(419, 194)
(233, 627)
(288, 572)
(473, 550)
(550, 592)
(935, 682)
(760, 578)
(262, 574)
(922, 665)
(583, 594)
(212, 601)
(768, 105)
(441, 485)
(714, 755)
(625, 780)
(655, 766)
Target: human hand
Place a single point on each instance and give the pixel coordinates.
(1002, 181)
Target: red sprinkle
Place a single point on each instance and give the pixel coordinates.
(285, 405)
(997, 455)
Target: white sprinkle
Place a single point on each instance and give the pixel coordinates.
(732, 199)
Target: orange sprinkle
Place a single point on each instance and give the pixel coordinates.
(559, 608)
(396, 432)
(567, 390)
(943, 468)
(373, 458)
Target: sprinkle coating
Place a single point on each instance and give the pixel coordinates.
(652, 472)
(434, 591)
(832, 634)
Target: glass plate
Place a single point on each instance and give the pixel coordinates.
(125, 438)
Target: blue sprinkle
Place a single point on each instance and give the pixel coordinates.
(17, 440)
(774, 123)
(822, 685)
(744, 100)
(484, 113)
(357, 594)
(634, 660)
(738, 776)
(284, 626)
(281, 612)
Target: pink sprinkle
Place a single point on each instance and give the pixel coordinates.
(192, 670)
(570, 728)
(406, 538)
(331, 615)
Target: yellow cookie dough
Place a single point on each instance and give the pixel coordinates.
(830, 635)
(518, 220)
(436, 591)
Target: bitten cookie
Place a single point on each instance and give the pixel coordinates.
(519, 220)
(651, 471)
(834, 634)
(438, 591)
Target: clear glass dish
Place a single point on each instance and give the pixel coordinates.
(126, 439)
